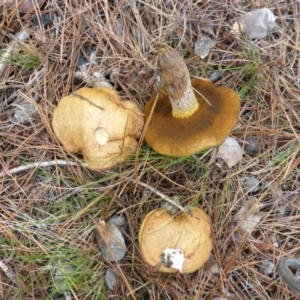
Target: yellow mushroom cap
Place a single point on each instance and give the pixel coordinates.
(206, 128)
(96, 123)
(190, 233)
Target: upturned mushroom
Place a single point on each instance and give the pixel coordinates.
(188, 116)
(171, 243)
(96, 123)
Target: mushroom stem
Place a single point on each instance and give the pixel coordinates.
(177, 81)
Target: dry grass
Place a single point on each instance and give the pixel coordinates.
(47, 213)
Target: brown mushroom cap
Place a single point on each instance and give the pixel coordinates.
(208, 127)
(189, 116)
(190, 233)
(96, 123)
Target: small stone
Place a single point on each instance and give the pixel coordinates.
(117, 220)
(81, 61)
(42, 20)
(111, 242)
(267, 267)
(203, 46)
(214, 76)
(251, 145)
(111, 279)
(252, 184)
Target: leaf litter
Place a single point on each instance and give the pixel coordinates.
(269, 112)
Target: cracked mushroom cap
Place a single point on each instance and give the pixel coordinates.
(96, 123)
(189, 233)
(188, 116)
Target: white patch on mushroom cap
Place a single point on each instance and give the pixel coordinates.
(101, 136)
(175, 257)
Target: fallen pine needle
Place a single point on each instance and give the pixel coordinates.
(160, 194)
(38, 165)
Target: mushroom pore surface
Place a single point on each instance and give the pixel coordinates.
(207, 127)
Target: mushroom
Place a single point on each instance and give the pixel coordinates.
(170, 243)
(188, 116)
(96, 123)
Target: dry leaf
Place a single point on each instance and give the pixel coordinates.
(206, 25)
(23, 6)
(90, 72)
(256, 24)
(22, 112)
(222, 46)
(249, 215)
(229, 152)
(263, 247)
(140, 80)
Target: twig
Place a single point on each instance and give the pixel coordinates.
(160, 194)
(67, 195)
(87, 100)
(39, 165)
